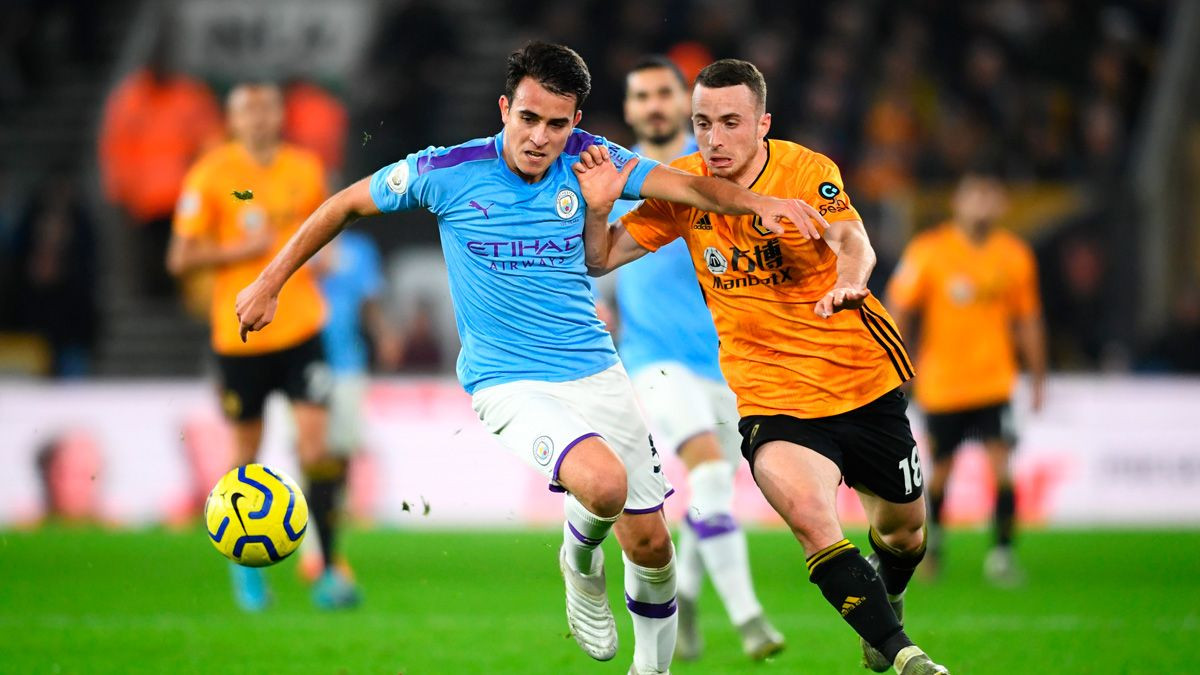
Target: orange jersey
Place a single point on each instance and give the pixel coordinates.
(778, 356)
(284, 193)
(969, 295)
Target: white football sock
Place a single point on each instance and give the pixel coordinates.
(650, 598)
(689, 566)
(720, 542)
(583, 531)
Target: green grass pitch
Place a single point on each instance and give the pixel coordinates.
(91, 601)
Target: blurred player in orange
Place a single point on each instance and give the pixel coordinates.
(975, 288)
(234, 235)
(814, 359)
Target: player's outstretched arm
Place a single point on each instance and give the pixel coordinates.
(606, 246)
(848, 240)
(717, 195)
(256, 303)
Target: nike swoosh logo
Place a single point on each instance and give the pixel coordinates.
(233, 501)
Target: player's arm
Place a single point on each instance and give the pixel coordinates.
(1030, 329)
(388, 343)
(257, 302)
(189, 254)
(855, 260)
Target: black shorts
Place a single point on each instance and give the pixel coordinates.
(948, 430)
(872, 445)
(300, 372)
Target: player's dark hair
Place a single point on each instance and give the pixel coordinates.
(731, 73)
(655, 61)
(556, 67)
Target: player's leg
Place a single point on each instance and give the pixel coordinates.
(946, 432)
(997, 429)
(538, 422)
(650, 591)
(243, 390)
(308, 383)
(883, 466)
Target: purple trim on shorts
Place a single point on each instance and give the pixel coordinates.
(458, 155)
(558, 462)
(722, 523)
(652, 509)
(651, 610)
(586, 540)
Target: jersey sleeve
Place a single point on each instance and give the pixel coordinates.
(1025, 301)
(195, 212)
(654, 223)
(637, 175)
(821, 186)
(402, 186)
(906, 288)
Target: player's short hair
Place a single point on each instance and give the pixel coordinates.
(655, 61)
(556, 67)
(731, 73)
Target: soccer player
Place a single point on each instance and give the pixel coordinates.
(974, 286)
(542, 371)
(814, 359)
(669, 346)
(233, 236)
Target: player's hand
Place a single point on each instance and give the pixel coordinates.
(775, 212)
(255, 307)
(842, 297)
(599, 179)
(1038, 400)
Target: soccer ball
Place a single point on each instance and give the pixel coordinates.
(256, 515)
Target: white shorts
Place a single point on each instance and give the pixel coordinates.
(679, 405)
(346, 417)
(542, 421)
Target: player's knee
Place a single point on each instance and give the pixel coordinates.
(606, 493)
(811, 518)
(652, 548)
(906, 539)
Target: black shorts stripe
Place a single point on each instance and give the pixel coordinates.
(891, 329)
(884, 343)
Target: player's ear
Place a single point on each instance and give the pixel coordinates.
(764, 125)
(503, 108)
(578, 116)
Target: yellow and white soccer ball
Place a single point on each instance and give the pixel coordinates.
(256, 515)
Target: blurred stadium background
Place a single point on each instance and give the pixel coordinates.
(110, 432)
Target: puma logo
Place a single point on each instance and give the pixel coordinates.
(476, 205)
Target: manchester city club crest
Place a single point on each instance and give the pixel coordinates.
(543, 449)
(566, 204)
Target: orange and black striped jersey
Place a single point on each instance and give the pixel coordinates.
(778, 356)
(969, 294)
(282, 195)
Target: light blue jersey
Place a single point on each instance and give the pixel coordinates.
(662, 311)
(354, 276)
(514, 252)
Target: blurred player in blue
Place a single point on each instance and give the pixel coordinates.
(351, 280)
(669, 346)
(542, 371)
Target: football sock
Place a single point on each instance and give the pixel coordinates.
(325, 481)
(583, 531)
(721, 543)
(689, 567)
(895, 567)
(1006, 508)
(650, 598)
(855, 590)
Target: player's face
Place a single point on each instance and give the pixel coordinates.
(656, 104)
(256, 114)
(537, 124)
(979, 201)
(729, 126)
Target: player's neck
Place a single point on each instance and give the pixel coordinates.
(753, 168)
(262, 155)
(976, 233)
(665, 152)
